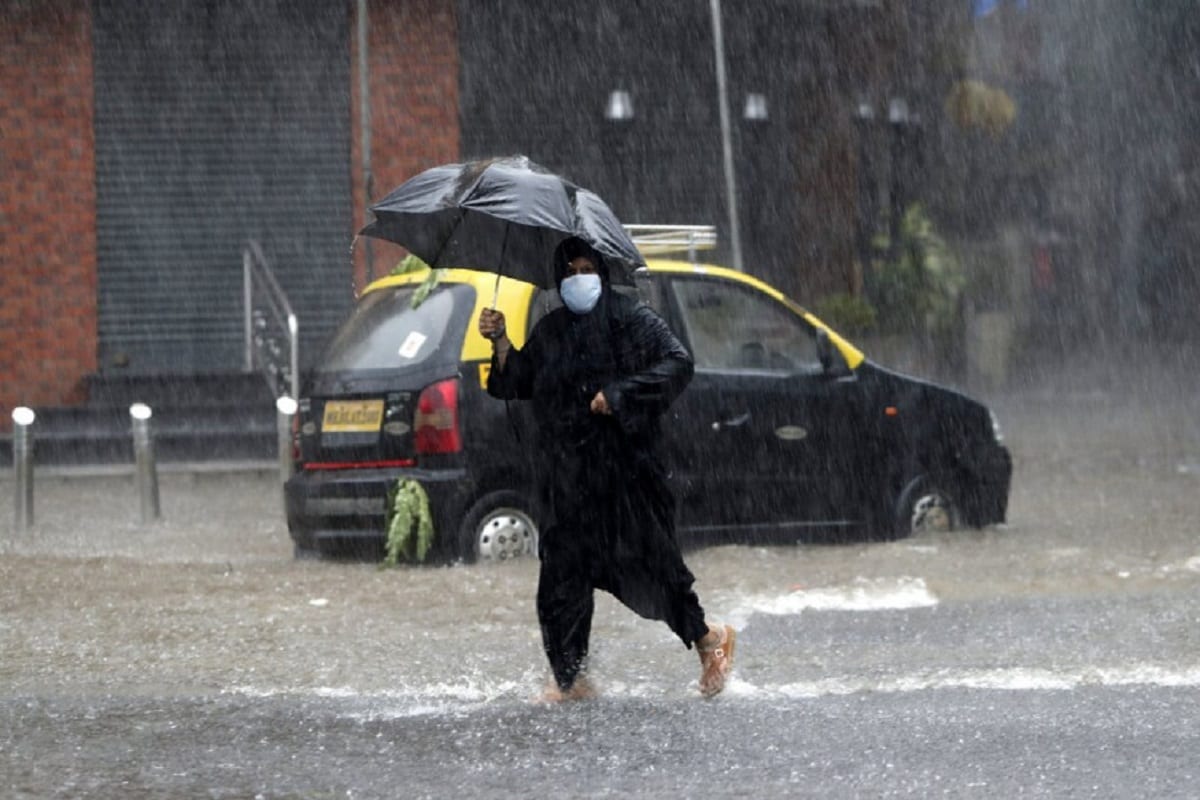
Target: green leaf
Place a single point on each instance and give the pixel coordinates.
(411, 263)
(408, 507)
(427, 286)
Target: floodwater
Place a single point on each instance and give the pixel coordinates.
(194, 657)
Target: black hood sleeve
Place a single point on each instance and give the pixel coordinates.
(656, 367)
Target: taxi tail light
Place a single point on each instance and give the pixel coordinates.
(435, 422)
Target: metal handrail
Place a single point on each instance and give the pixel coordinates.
(653, 240)
(264, 301)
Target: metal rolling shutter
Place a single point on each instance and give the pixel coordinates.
(216, 122)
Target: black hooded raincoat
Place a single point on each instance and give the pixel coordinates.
(607, 512)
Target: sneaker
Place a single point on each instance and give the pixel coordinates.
(716, 662)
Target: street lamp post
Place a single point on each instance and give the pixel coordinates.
(898, 120)
(619, 107)
(900, 123)
(759, 228)
(615, 146)
(864, 123)
(755, 109)
(735, 235)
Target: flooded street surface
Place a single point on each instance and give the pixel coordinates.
(1058, 655)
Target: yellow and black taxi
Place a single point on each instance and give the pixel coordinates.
(787, 431)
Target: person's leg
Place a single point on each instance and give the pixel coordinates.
(640, 562)
(564, 606)
(677, 605)
(664, 595)
(645, 570)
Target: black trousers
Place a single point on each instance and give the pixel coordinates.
(643, 569)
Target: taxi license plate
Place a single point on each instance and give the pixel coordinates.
(352, 416)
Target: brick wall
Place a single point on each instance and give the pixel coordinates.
(413, 68)
(48, 286)
(47, 205)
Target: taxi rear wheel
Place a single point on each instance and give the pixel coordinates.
(498, 527)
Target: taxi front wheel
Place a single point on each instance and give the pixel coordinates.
(925, 507)
(498, 527)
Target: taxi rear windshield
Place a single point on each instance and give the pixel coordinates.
(386, 332)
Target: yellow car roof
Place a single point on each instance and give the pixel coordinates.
(511, 292)
(852, 354)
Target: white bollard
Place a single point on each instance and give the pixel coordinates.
(143, 454)
(22, 449)
(286, 406)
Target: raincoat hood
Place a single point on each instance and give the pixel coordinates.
(571, 249)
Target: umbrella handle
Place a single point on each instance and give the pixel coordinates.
(495, 297)
(499, 266)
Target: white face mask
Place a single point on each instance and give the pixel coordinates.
(580, 293)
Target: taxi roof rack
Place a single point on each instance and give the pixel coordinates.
(656, 240)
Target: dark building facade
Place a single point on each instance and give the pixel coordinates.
(143, 149)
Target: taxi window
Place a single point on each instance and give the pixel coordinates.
(544, 301)
(650, 290)
(734, 327)
(386, 332)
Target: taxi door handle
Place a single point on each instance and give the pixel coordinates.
(732, 422)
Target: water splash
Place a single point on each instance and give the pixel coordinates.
(864, 594)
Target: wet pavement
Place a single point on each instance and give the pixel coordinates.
(1056, 656)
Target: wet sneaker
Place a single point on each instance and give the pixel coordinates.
(716, 662)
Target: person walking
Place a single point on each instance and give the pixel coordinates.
(599, 373)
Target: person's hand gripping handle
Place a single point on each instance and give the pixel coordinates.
(491, 320)
(491, 324)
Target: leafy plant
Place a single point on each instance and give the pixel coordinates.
(919, 287)
(412, 263)
(409, 523)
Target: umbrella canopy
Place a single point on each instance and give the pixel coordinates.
(504, 215)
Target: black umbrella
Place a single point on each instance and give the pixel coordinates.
(503, 215)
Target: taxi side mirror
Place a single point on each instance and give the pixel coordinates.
(832, 362)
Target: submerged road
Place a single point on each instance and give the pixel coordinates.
(914, 702)
(1057, 656)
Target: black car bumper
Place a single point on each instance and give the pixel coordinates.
(985, 496)
(328, 508)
